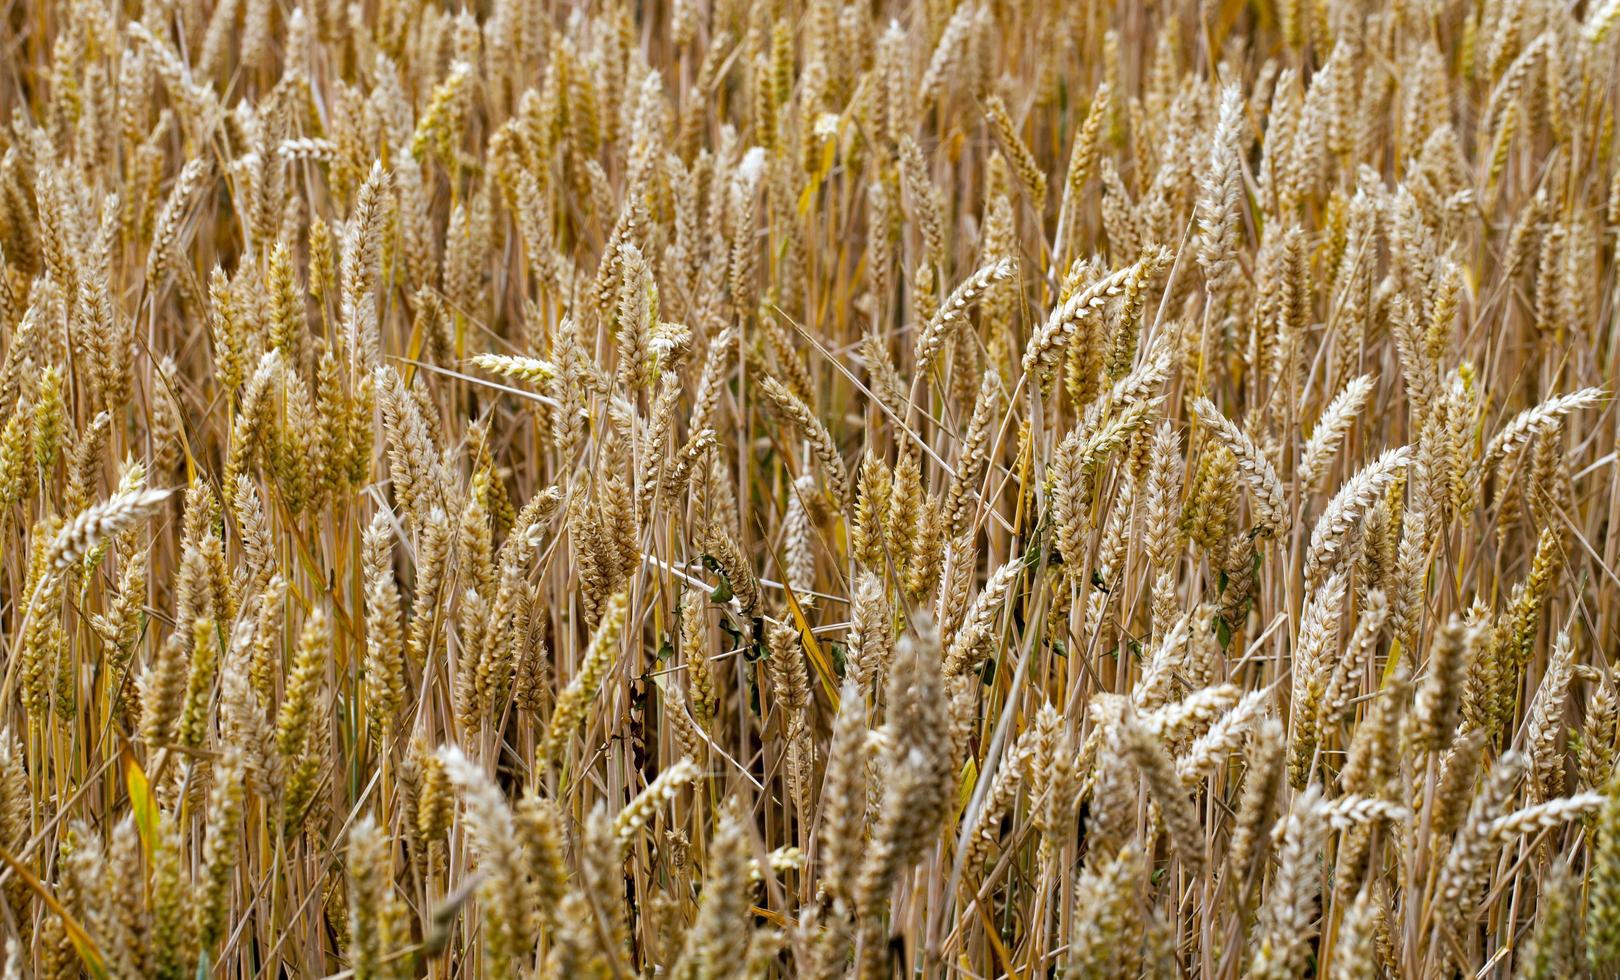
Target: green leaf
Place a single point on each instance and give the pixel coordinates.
(722, 593)
(840, 658)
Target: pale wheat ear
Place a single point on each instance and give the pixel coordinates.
(492, 829)
(1152, 760)
(820, 441)
(1336, 420)
(1265, 488)
(1285, 927)
(102, 521)
(1346, 509)
(953, 313)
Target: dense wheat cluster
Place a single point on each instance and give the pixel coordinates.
(746, 488)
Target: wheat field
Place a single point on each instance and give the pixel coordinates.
(805, 488)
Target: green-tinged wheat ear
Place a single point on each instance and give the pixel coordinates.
(1603, 894)
(221, 847)
(173, 937)
(599, 658)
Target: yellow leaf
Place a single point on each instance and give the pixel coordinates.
(823, 666)
(413, 349)
(141, 801)
(964, 789)
(1393, 665)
